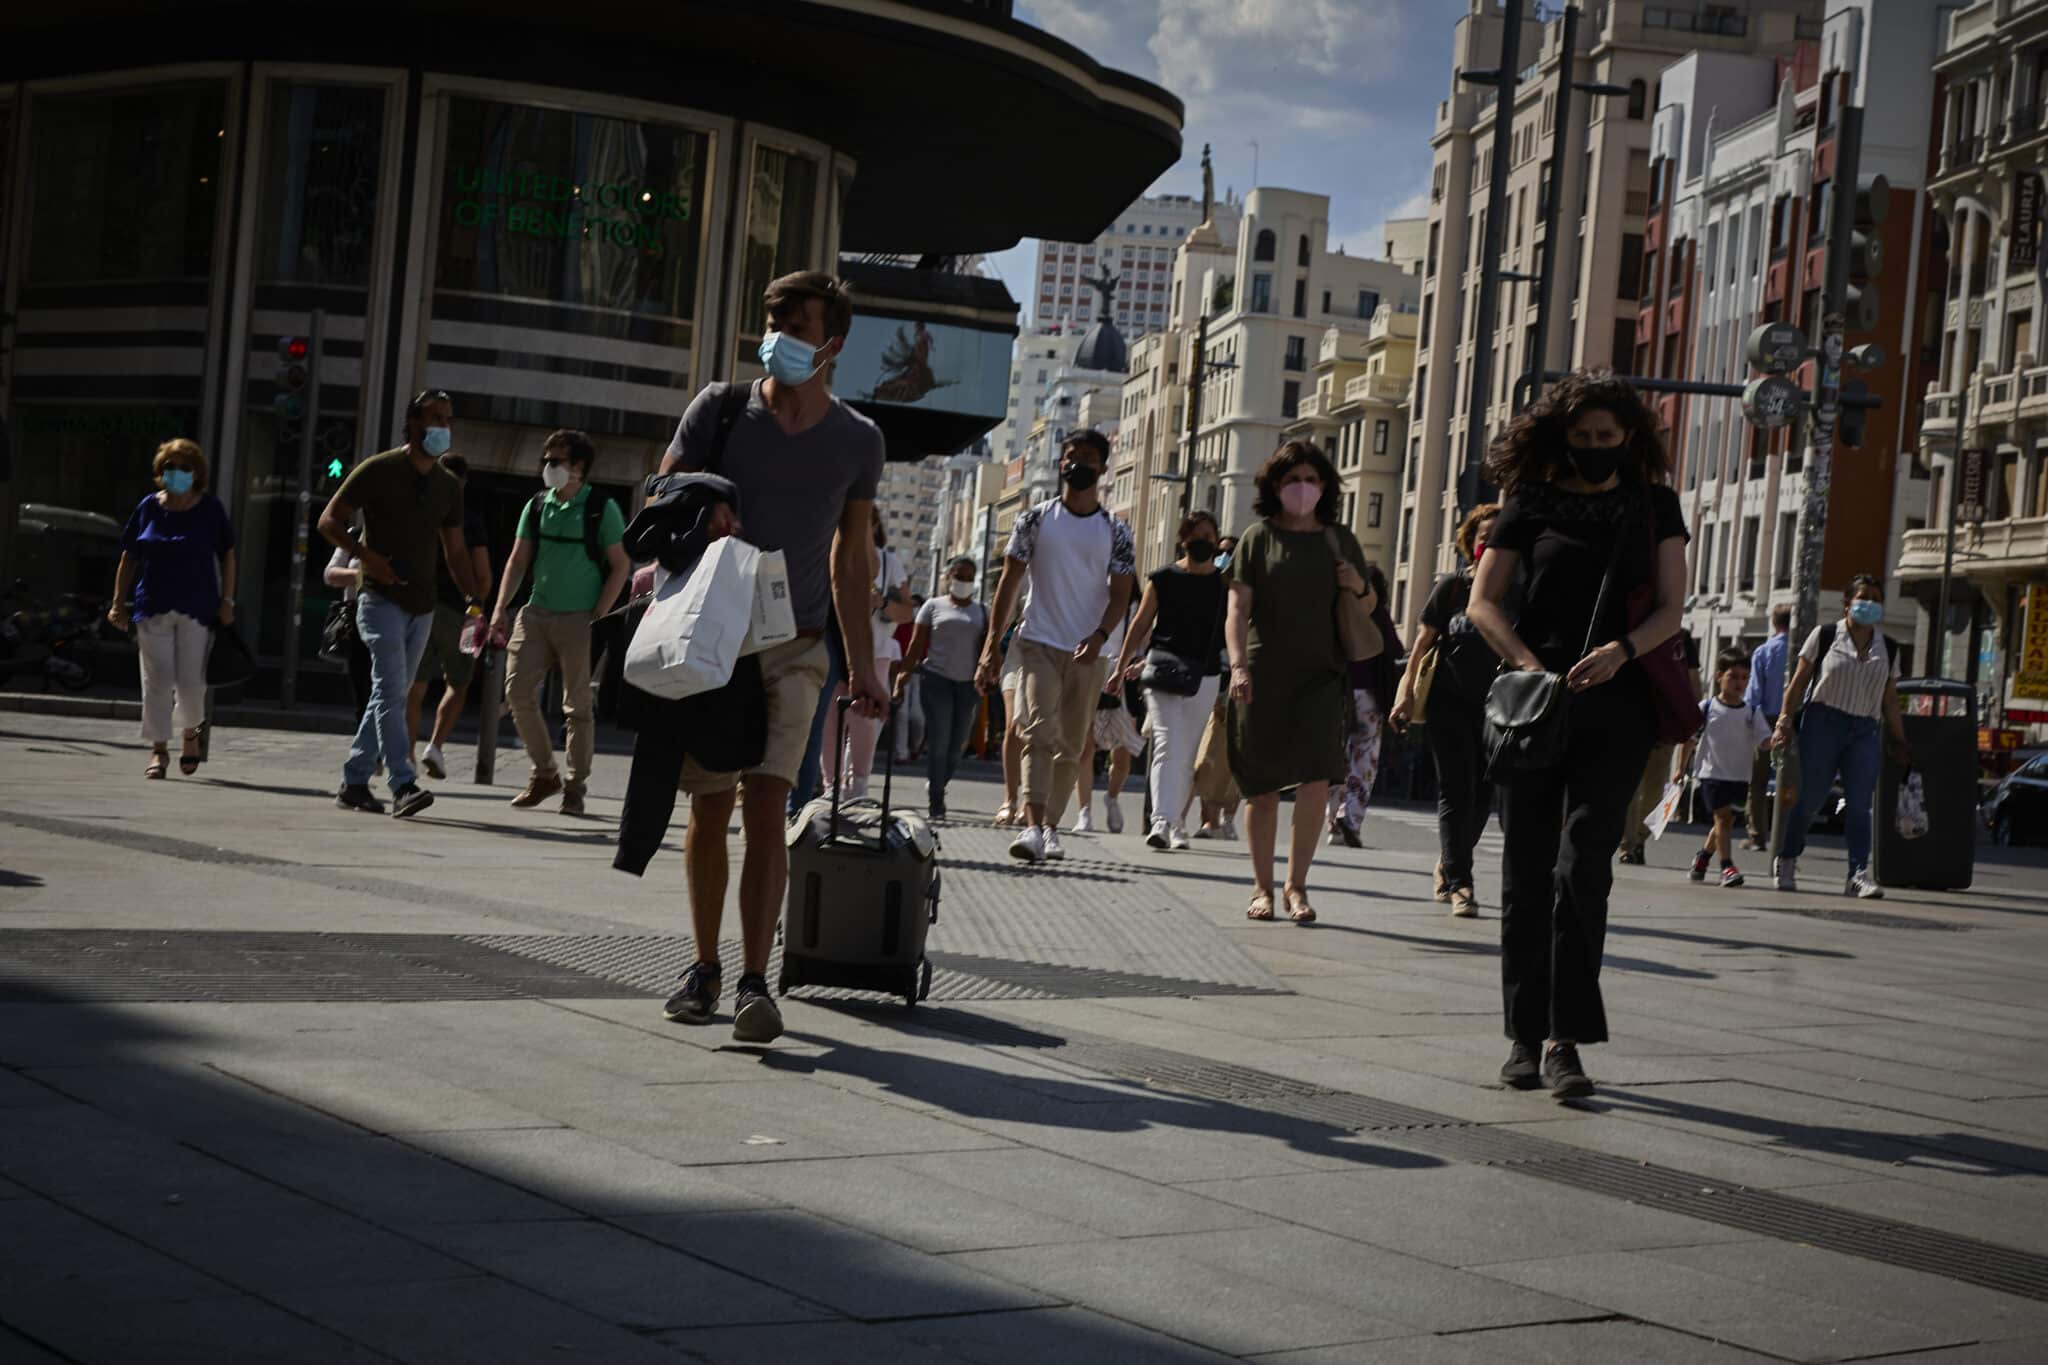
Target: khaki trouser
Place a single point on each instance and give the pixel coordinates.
(542, 640)
(1649, 792)
(1055, 709)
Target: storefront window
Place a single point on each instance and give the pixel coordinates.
(125, 185)
(572, 208)
(782, 197)
(320, 201)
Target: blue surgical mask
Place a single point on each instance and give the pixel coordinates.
(435, 441)
(1223, 561)
(178, 482)
(1865, 612)
(789, 360)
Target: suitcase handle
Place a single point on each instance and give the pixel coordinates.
(845, 704)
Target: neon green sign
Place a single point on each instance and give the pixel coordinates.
(561, 209)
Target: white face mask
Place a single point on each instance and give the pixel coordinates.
(961, 588)
(554, 475)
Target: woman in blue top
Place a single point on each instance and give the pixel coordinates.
(178, 559)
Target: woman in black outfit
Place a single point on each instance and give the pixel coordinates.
(1453, 717)
(1582, 474)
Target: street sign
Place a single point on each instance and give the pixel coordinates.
(2030, 679)
(2022, 236)
(1777, 347)
(1975, 466)
(1771, 400)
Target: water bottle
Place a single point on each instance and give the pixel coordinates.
(476, 632)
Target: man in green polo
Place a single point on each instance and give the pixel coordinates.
(578, 572)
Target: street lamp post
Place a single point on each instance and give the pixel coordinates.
(1503, 79)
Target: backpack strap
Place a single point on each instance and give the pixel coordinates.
(593, 522)
(732, 404)
(1820, 665)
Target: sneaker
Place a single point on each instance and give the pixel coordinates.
(1347, 832)
(572, 799)
(1084, 823)
(1755, 845)
(696, 1000)
(1562, 1072)
(755, 1018)
(1699, 865)
(1113, 815)
(410, 800)
(1788, 873)
(1464, 905)
(1029, 845)
(1863, 886)
(1731, 875)
(1228, 829)
(1158, 838)
(434, 762)
(938, 811)
(1053, 851)
(356, 796)
(1206, 832)
(1523, 1070)
(1441, 888)
(1176, 837)
(539, 788)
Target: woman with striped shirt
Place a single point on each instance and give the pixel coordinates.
(1847, 679)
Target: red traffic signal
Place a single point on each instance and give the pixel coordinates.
(291, 349)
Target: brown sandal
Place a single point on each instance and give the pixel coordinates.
(159, 765)
(1298, 908)
(1261, 907)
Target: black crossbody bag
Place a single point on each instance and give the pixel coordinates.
(1174, 675)
(1527, 724)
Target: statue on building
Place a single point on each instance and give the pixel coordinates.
(1208, 187)
(1105, 284)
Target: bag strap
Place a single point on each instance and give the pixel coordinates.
(1606, 587)
(732, 404)
(1820, 663)
(593, 520)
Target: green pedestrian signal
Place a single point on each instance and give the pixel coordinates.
(334, 469)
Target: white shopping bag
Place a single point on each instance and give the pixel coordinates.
(1667, 809)
(1911, 815)
(690, 637)
(774, 616)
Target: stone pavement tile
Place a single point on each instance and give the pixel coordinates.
(1611, 1342)
(1919, 1045)
(1478, 1052)
(263, 1239)
(1735, 1159)
(2026, 1115)
(811, 1343)
(19, 1350)
(879, 1196)
(71, 1035)
(1987, 1217)
(481, 1321)
(947, 1077)
(381, 1095)
(382, 1179)
(1463, 1215)
(851, 1271)
(19, 1092)
(53, 1259)
(77, 1149)
(618, 1276)
(1070, 1336)
(1081, 1192)
(1420, 1295)
(1965, 1311)
(1283, 1016)
(201, 1332)
(1852, 1079)
(1154, 1282)
(1780, 1321)
(1409, 1350)
(2030, 1352)
(183, 1102)
(587, 1173)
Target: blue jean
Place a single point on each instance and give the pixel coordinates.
(810, 778)
(1832, 741)
(396, 640)
(949, 711)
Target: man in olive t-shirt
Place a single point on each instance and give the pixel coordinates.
(411, 510)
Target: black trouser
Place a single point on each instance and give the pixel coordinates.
(1562, 827)
(949, 711)
(1463, 795)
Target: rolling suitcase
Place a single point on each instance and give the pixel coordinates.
(863, 892)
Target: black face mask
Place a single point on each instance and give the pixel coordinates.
(1595, 464)
(1080, 477)
(1201, 551)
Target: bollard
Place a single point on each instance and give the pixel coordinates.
(490, 713)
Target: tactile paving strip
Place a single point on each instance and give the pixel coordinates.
(1765, 1212)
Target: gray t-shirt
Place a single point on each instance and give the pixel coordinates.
(792, 489)
(956, 636)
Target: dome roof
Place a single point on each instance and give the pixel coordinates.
(1103, 348)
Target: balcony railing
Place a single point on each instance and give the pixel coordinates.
(2014, 547)
(1967, 150)
(1383, 387)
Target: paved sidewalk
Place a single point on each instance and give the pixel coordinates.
(281, 1083)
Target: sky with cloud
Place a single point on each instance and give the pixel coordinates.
(1340, 95)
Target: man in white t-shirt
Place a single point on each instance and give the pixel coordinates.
(1081, 564)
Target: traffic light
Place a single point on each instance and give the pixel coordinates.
(1850, 421)
(293, 360)
(1866, 253)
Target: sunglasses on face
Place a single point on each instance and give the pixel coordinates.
(179, 468)
(553, 459)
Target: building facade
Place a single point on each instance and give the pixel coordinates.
(1138, 248)
(1989, 391)
(1603, 179)
(1743, 179)
(1358, 413)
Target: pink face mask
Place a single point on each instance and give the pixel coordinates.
(1300, 499)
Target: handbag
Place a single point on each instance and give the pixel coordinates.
(338, 635)
(1174, 675)
(1425, 680)
(1357, 636)
(1674, 696)
(228, 660)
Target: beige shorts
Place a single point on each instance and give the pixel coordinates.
(793, 675)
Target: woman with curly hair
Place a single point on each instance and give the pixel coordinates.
(1289, 680)
(1583, 479)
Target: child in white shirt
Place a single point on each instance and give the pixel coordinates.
(1727, 746)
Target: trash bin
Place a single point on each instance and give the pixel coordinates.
(1941, 727)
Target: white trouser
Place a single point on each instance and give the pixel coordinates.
(1177, 724)
(173, 648)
